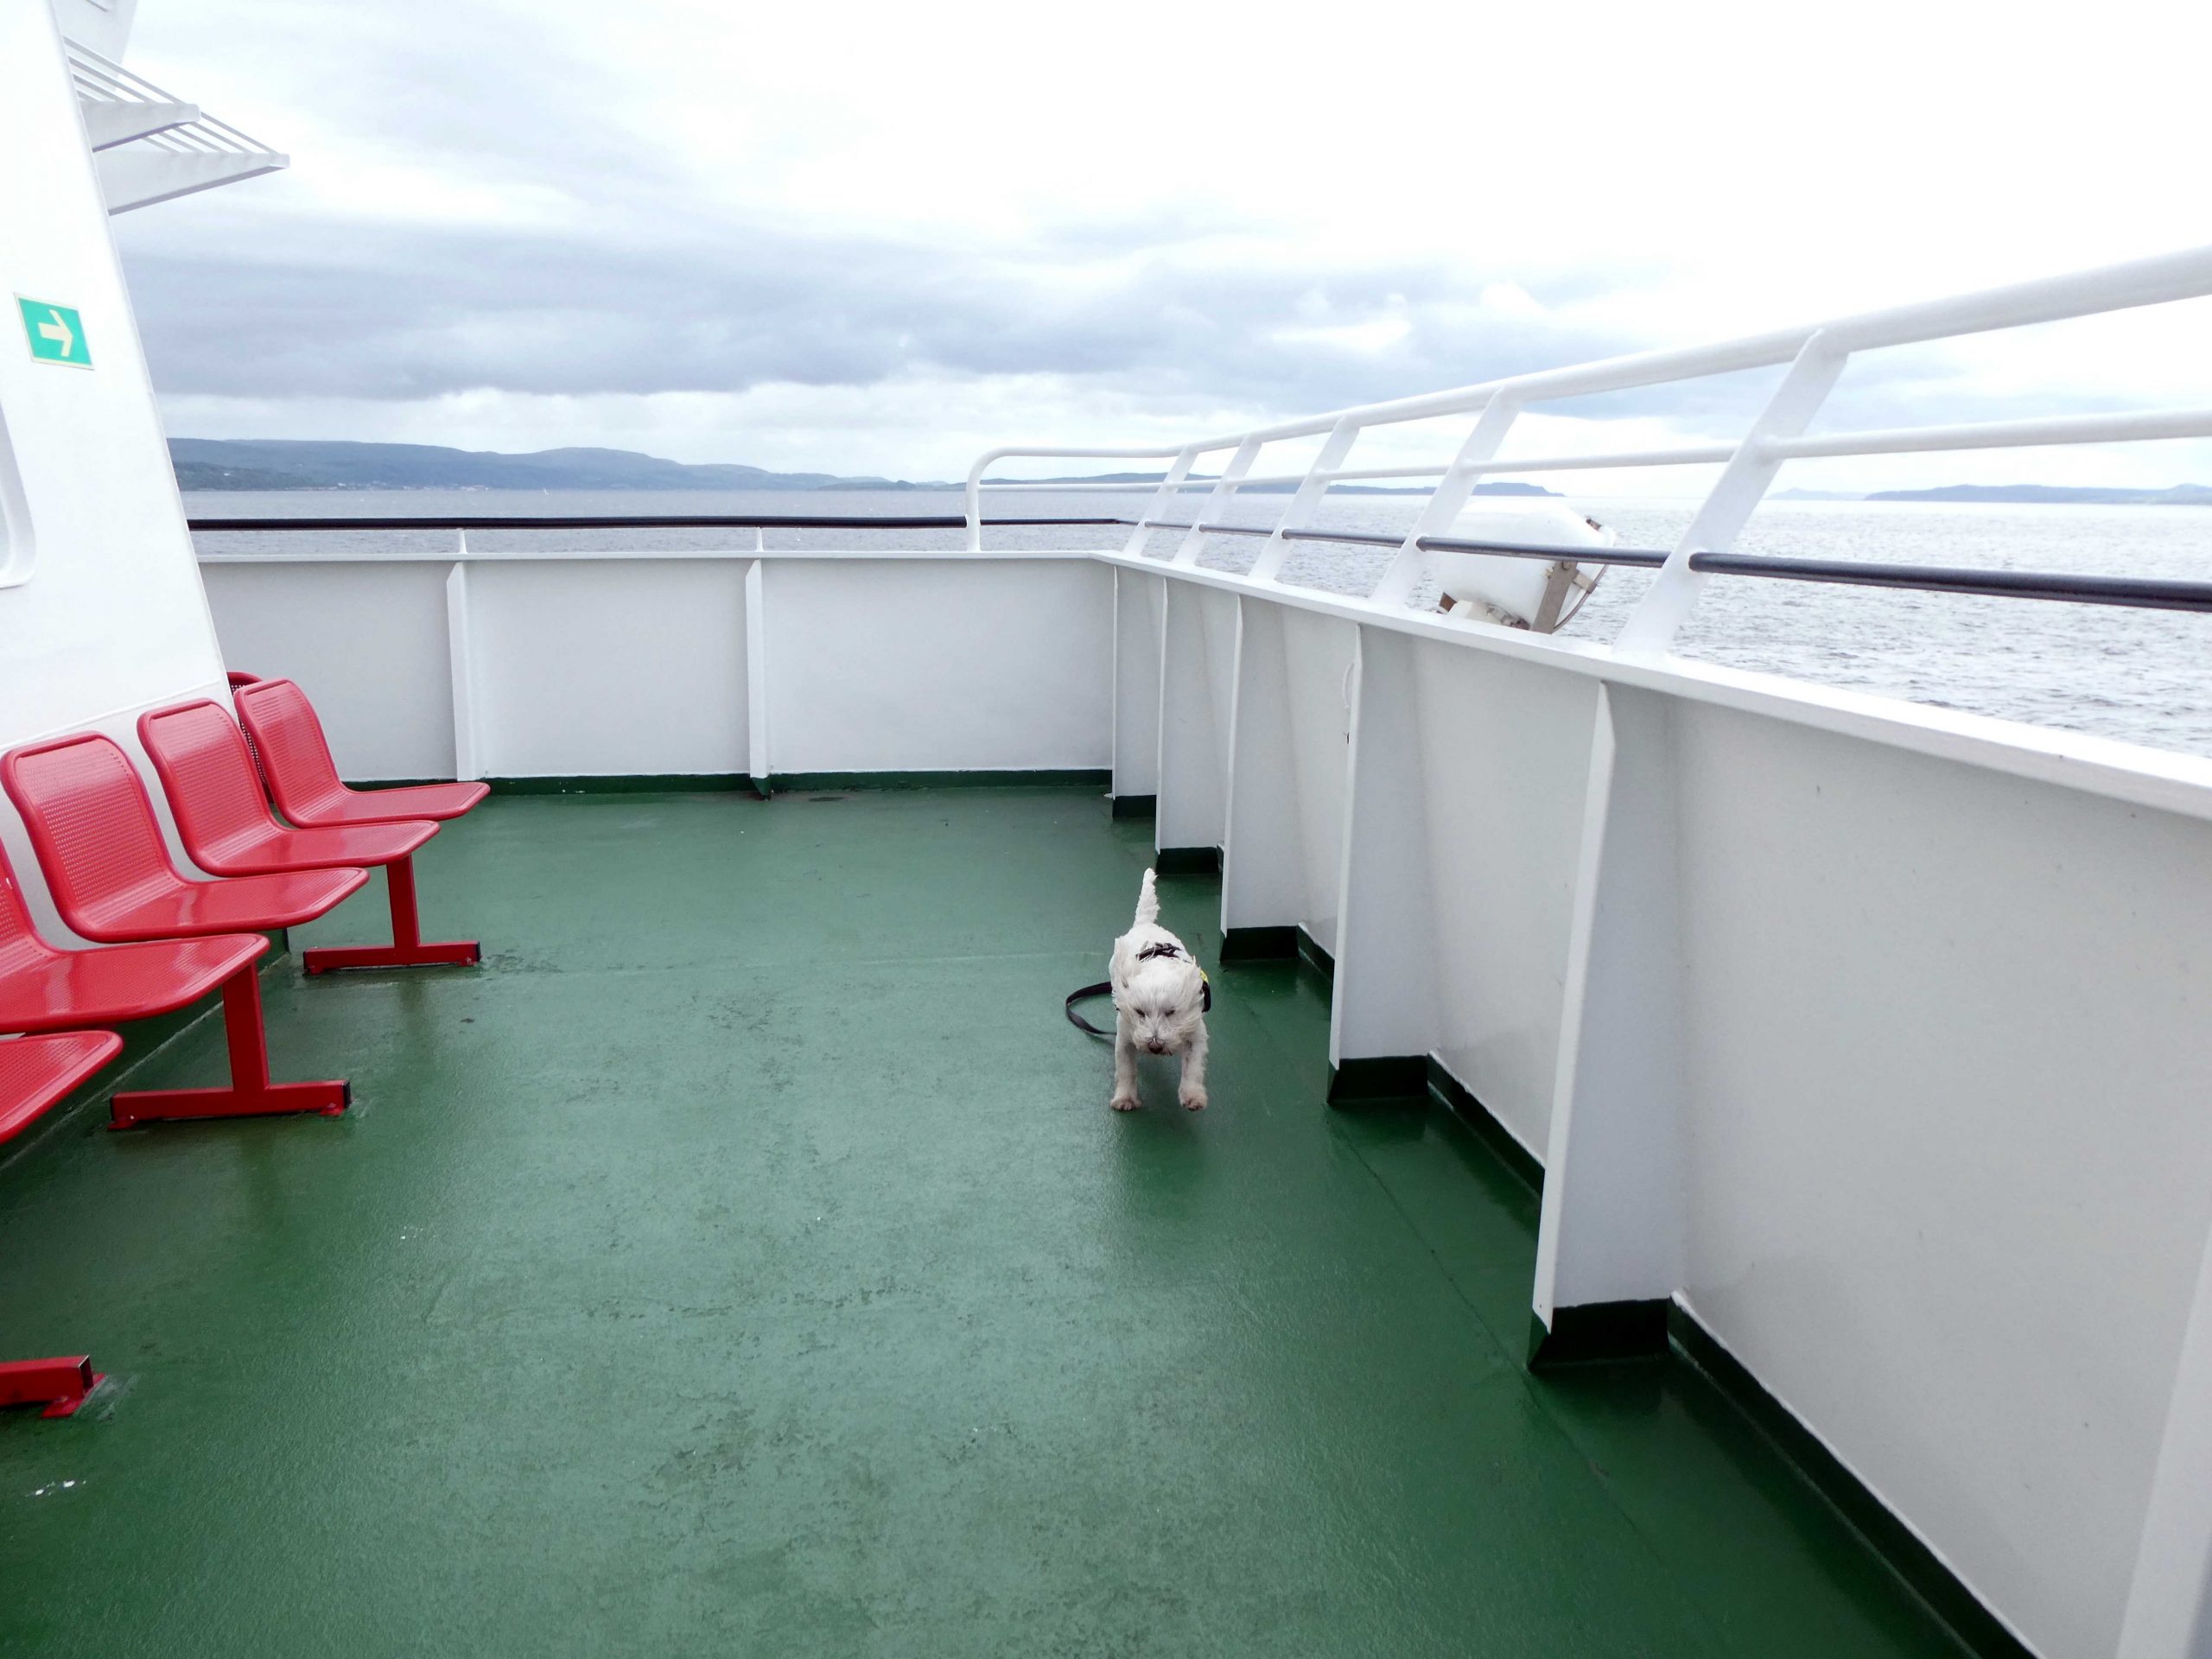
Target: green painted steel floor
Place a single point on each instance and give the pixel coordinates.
(744, 1261)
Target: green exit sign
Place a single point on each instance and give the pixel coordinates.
(56, 332)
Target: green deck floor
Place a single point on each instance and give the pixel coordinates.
(744, 1261)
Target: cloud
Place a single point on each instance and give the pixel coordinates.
(585, 219)
(403, 312)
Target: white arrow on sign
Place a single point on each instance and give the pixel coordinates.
(57, 329)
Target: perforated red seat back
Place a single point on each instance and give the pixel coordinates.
(91, 824)
(20, 945)
(295, 755)
(209, 774)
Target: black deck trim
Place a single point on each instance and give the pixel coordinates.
(1944, 1593)
(1455, 1098)
(1035, 778)
(1317, 956)
(1187, 860)
(679, 783)
(1260, 944)
(1136, 806)
(1596, 1333)
(1380, 1083)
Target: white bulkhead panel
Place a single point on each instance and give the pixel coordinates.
(105, 616)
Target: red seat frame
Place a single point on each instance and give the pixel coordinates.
(43, 988)
(223, 818)
(303, 779)
(93, 826)
(36, 1073)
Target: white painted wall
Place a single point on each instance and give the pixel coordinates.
(941, 664)
(1198, 671)
(367, 641)
(628, 664)
(1949, 1058)
(1140, 602)
(636, 668)
(1290, 751)
(105, 616)
(1504, 758)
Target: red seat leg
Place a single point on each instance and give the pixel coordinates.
(60, 1385)
(250, 1093)
(407, 949)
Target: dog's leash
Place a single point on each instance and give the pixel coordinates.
(1105, 987)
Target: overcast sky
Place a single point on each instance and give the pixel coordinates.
(879, 239)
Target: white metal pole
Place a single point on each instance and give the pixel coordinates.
(1311, 489)
(1735, 496)
(1451, 492)
(1178, 470)
(1223, 490)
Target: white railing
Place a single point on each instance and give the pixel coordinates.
(101, 80)
(1816, 354)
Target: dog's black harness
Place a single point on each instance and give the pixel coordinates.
(1105, 986)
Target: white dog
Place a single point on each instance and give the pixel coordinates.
(1159, 1005)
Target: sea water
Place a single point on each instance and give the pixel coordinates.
(2137, 675)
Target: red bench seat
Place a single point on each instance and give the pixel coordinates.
(303, 779)
(224, 821)
(101, 848)
(92, 825)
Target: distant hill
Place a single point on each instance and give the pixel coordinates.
(2180, 495)
(1499, 488)
(313, 464)
(290, 464)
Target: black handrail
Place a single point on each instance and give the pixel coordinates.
(2154, 592)
(699, 521)
(2139, 592)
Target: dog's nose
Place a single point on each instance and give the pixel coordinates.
(1157, 1046)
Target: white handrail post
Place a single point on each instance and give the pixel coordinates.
(1239, 464)
(974, 503)
(1735, 496)
(1311, 489)
(1482, 444)
(1178, 470)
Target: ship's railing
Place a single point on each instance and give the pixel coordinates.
(2142, 592)
(1816, 355)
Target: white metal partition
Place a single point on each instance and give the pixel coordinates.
(483, 664)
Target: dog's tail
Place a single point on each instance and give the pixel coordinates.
(1147, 901)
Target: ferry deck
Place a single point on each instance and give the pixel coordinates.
(744, 1261)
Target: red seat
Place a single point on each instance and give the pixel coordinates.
(304, 778)
(42, 988)
(93, 826)
(222, 816)
(36, 1072)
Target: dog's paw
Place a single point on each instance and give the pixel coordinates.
(1123, 1102)
(1193, 1099)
